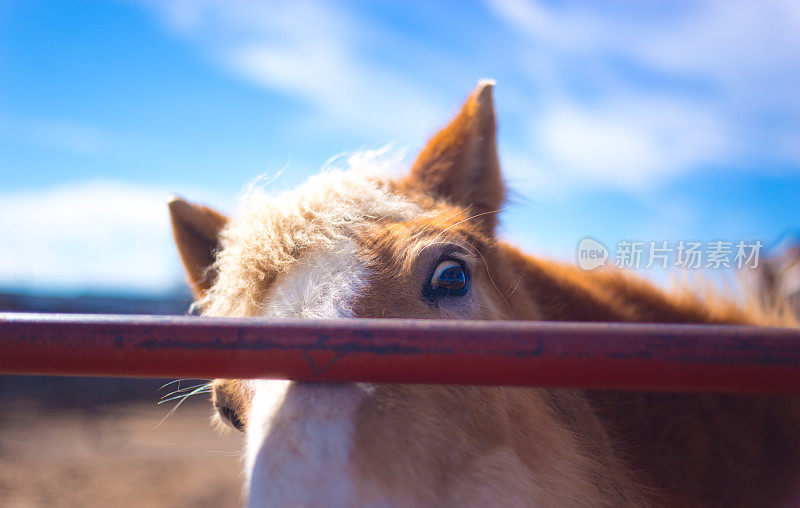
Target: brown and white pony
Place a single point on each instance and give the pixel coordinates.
(356, 244)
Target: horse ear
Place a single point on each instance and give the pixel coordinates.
(460, 163)
(195, 229)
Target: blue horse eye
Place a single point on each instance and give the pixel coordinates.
(449, 278)
(452, 278)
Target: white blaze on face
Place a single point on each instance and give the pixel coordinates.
(298, 450)
(322, 285)
(299, 434)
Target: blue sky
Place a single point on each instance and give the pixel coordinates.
(619, 120)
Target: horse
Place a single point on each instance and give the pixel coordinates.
(360, 243)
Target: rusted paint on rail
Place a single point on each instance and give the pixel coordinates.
(589, 355)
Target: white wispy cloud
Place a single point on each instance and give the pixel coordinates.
(673, 86)
(627, 95)
(312, 51)
(101, 235)
(626, 143)
(736, 44)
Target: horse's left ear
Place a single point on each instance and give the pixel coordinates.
(460, 163)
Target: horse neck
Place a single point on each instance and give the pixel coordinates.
(553, 291)
(662, 423)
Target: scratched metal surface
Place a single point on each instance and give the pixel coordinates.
(589, 355)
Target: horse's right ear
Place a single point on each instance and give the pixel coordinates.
(195, 229)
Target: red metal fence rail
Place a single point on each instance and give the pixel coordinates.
(589, 355)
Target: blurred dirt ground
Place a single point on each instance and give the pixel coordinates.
(98, 442)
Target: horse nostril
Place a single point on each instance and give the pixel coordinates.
(231, 400)
(230, 415)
